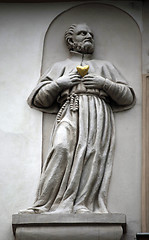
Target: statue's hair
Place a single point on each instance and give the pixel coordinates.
(68, 35)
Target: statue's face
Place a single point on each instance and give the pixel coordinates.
(83, 39)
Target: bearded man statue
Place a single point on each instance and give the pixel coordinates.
(76, 174)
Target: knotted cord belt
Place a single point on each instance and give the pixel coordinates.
(73, 101)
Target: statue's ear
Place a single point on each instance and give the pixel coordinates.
(70, 42)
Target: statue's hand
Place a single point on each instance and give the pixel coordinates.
(68, 81)
(93, 81)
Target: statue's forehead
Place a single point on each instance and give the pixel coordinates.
(82, 27)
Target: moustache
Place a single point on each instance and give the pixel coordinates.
(88, 40)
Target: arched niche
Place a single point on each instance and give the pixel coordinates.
(118, 40)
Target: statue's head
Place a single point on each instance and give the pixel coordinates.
(79, 38)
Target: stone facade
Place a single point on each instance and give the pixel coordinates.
(23, 28)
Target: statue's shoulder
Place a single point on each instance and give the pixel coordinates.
(56, 67)
(101, 62)
(55, 70)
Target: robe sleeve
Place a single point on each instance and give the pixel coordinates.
(122, 97)
(44, 96)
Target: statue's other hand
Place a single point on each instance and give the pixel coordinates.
(68, 80)
(93, 81)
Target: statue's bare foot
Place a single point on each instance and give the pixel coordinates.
(31, 211)
(27, 211)
(61, 211)
(82, 209)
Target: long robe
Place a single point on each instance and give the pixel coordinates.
(77, 172)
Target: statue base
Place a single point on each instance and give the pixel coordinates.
(69, 226)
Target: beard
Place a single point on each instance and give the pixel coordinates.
(85, 47)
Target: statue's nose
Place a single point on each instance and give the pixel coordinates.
(89, 35)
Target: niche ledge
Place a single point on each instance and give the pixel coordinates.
(108, 226)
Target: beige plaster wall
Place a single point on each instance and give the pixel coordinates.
(22, 30)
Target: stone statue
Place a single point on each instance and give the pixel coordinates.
(76, 175)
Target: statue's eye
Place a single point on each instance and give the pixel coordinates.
(83, 33)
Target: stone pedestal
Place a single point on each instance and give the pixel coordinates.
(68, 226)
